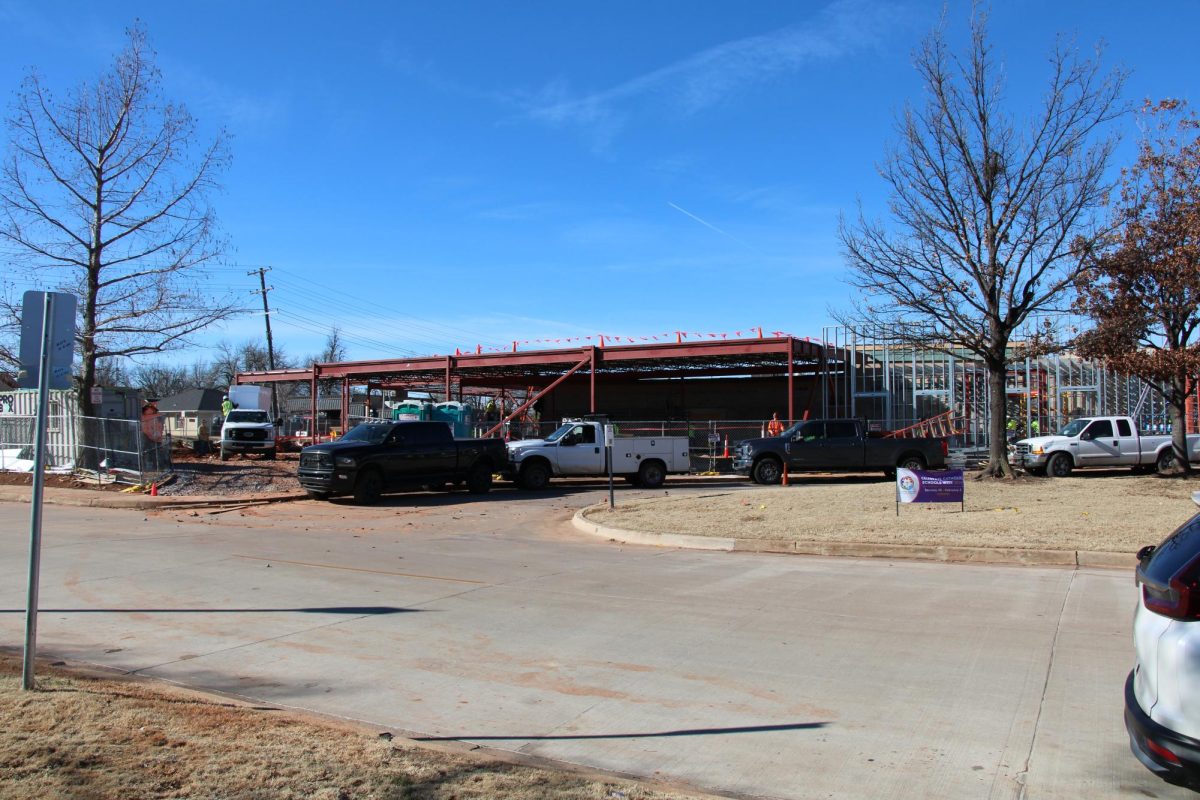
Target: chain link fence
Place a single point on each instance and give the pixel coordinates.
(121, 450)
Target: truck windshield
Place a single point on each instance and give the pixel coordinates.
(562, 431)
(1074, 427)
(248, 416)
(370, 432)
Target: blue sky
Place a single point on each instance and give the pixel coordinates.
(428, 176)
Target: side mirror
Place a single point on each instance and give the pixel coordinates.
(1086, 436)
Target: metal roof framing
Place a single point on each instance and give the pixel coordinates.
(540, 368)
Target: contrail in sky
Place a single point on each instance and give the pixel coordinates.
(710, 226)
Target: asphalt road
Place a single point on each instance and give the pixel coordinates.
(492, 621)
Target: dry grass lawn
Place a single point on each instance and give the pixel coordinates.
(85, 738)
(1111, 512)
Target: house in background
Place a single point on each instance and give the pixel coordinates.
(182, 413)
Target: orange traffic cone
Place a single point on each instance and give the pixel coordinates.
(726, 453)
(154, 490)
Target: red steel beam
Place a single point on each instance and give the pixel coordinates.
(521, 408)
(312, 426)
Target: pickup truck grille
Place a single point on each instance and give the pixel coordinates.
(1022, 450)
(248, 434)
(315, 461)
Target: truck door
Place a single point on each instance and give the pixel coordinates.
(424, 452)
(1128, 443)
(1098, 445)
(844, 448)
(807, 448)
(580, 452)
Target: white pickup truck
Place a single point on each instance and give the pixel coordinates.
(577, 448)
(1099, 442)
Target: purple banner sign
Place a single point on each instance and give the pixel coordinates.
(919, 486)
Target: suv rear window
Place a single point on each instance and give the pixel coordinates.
(1175, 552)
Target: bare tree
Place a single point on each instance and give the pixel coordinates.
(987, 212)
(103, 197)
(1144, 293)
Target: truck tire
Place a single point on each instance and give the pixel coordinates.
(651, 474)
(1059, 465)
(911, 461)
(767, 471)
(224, 453)
(368, 488)
(269, 455)
(1165, 463)
(534, 476)
(479, 479)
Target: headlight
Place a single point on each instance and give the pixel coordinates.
(345, 461)
(1036, 449)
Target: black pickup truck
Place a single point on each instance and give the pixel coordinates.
(375, 457)
(833, 445)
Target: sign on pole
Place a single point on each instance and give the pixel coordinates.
(62, 339)
(919, 486)
(47, 348)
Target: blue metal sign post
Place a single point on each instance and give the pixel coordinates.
(57, 335)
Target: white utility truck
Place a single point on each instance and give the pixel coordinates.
(577, 448)
(1100, 442)
(249, 427)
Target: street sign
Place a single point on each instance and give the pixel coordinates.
(608, 435)
(61, 341)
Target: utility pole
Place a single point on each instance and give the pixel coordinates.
(262, 282)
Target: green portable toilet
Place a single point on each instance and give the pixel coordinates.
(459, 416)
(411, 410)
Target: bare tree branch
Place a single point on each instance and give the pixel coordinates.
(989, 216)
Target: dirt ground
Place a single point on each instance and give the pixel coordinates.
(192, 475)
(1100, 511)
(90, 738)
(240, 475)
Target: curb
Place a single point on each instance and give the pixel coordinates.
(87, 498)
(944, 553)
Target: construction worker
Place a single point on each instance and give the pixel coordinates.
(226, 406)
(774, 427)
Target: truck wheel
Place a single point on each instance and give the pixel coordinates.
(1059, 466)
(224, 453)
(269, 455)
(368, 488)
(534, 476)
(1165, 463)
(767, 471)
(479, 479)
(651, 475)
(911, 462)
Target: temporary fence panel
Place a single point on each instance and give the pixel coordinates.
(128, 450)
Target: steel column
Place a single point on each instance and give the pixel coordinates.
(346, 404)
(791, 356)
(312, 398)
(592, 402)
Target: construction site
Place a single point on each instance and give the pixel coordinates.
(720, 391)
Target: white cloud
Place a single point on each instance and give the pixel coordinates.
(708, 77)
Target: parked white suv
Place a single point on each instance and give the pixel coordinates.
(1162, 694)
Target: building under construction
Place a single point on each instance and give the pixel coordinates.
(733, 385)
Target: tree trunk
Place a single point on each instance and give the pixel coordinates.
(1175, 410)
(998, 466)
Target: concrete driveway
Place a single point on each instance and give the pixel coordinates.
(492, 621)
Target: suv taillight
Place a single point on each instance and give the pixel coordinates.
(1180, 597)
